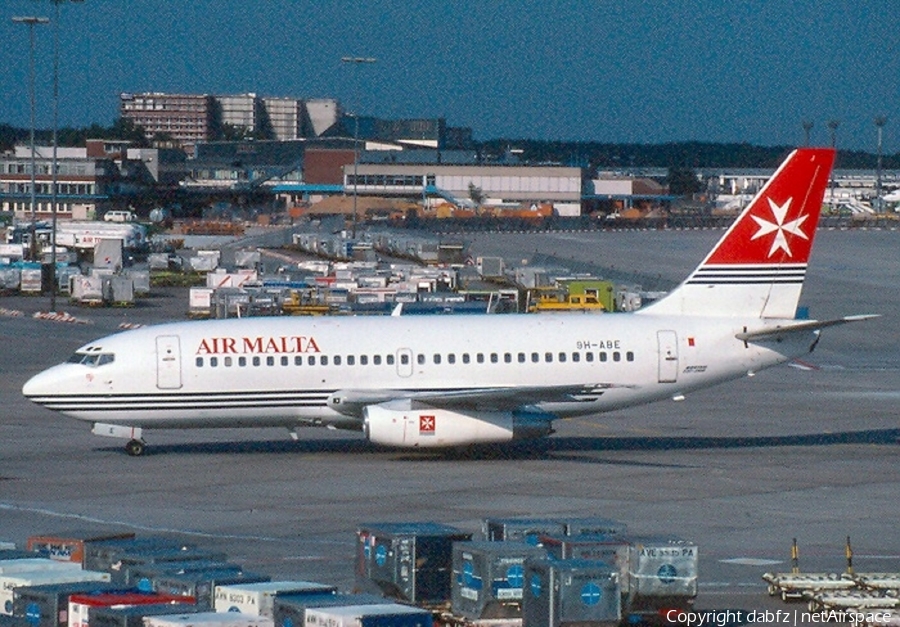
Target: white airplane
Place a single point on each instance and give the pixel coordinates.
(441, 381)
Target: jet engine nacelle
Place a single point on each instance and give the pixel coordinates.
(433, 428)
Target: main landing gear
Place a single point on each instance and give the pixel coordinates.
(135, 448)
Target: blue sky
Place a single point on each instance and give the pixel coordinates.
(601, 70)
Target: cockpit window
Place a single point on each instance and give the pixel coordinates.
(92, 359)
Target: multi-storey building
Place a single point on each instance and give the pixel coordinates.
(283, 116)
(240, 111)
(186, 118)
(82, 183)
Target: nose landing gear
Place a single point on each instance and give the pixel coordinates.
(135, 448)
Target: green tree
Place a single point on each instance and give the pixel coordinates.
(683, 181)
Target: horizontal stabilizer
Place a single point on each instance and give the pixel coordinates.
(780, 332)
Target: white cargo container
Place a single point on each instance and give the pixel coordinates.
(366, 615)
(9, 582)
(32, 564)
(209, 619)
(86, 289)
(200, 303)
(31, 280)
(258, 599)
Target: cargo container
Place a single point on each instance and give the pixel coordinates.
(662, 573)
(29, 564)
(209, 619)
(31, 280)
(134, 615)
(86, 289)
(80, 605)
(382, 615)
(13, 621)
(10, 582)
(13, 553)
(258, 598)
(570, 592)
(289, 610)
(528, 530)
(138, 574)
(48, 605)
(613, 550)
(158, 555)
(106, 554)
(69, 546)
(487, 578)
(593, 526)
(202, 584)
(410, 562)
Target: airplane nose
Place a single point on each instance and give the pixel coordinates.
(38, 385)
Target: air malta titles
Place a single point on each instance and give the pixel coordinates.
(262, 344)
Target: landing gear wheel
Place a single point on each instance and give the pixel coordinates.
(135, 448)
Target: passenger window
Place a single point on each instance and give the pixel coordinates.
(284, 360)
(242, 361)
(617, 356)
(363, 360)
(451, 358)
(535, 357)
(420, 359)
(270, 360)
(213, 361)
(436, 358)
(298, 360)
(576, 356)
(256, 360)
(507, 357)
(351, 360)
(228, 362)
(465, 358)
(199, 362)
(521, 358)
(337, 360)
(589, 356)
(629, 356)
(602, 355)
(404, 359)
(562, 357)
(390, 360)
(311, 360)
(479, 358)
(548, 357)
(323, 360)
(376, 359)
(494, 358)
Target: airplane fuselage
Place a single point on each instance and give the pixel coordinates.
(282, 371)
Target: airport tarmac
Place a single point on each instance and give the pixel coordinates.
(740, 469)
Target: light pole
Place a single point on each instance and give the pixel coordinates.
(807, 127)
(832, 126)
(880, 121)
(55, 165)
(31, 21)
(356, 61)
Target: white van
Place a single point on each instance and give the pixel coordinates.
(118, 216)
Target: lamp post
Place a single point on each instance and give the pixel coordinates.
(55, 164)
(832, 126)
(807, 127)
(356, 62)
(31, 21)
(880, 121)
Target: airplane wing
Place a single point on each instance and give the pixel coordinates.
(781, 332)
(352, 402)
